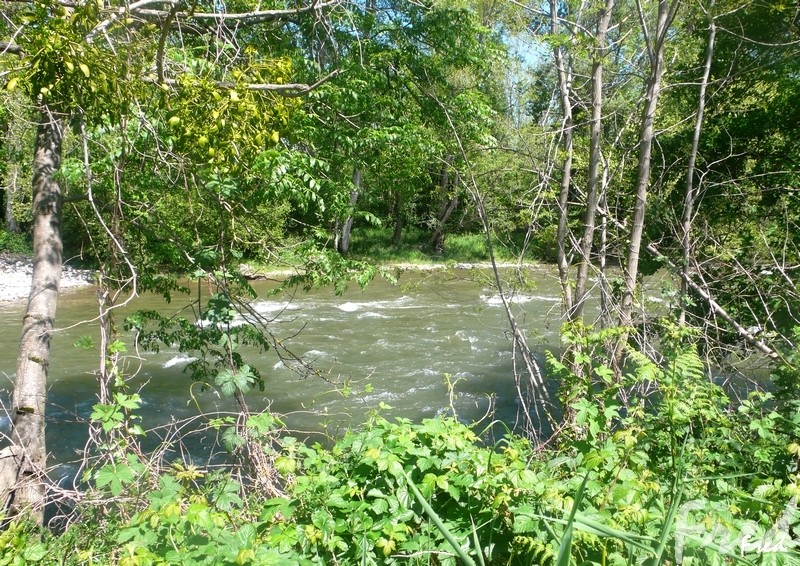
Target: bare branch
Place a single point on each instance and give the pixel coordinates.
(293, 89)
(162, 43)
(762, 43)
(65, 3)
(11, 49)
(288, 90)
(102, 26)
(242, 18)
(705, 294)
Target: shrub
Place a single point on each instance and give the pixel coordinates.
(15, 243)
(691, 479)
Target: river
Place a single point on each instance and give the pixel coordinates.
(390, 348)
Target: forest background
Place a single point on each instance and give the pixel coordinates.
(613, 138)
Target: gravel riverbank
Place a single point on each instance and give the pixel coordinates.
(15, 277)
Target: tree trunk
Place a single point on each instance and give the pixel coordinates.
(564, 88)
(30, 388)
(691, 191)
(655, 48)
(11, 192)
(344, 242)
(582, 278)
(447, 204)
(606, 299)
(437, 239)
(398, 218)
(10, 181)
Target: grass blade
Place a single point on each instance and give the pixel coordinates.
(565, 548)
(465, 558)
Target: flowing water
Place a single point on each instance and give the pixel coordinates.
(392, 348)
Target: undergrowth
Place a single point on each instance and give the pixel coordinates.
(682, 476)
(15, 243)
(376, 245)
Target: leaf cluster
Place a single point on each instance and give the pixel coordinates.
(691, 478)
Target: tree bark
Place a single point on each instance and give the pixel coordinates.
(10, 180)
(606, 299)
(690, 196)
(398, 218)
(447, 204)
(347, 228)
(30, 388)
(582, 278)
(564, 74)
(655, 48)
(11, 191)
(15, 142)
(437, 239)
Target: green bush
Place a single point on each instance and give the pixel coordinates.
(691, 479)
(15, 243)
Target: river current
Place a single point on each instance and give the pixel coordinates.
(434, 343)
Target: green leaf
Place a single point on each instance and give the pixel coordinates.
(108, 415)
(34, 552)
(116, 477)
(84, 342)
(227, 497)
(231, 439)
(131, 402)
(229, 382)
(117, 347)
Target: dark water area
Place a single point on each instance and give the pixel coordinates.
(435, 343)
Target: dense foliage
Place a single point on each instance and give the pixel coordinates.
(682, 475)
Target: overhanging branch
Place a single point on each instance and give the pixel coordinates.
(246, 18)
(7, 48)
(288, 90)
(124, 10)
(65, 3)
(140, 9)
(718, 309)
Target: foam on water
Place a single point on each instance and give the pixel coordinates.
(203, 323)
(270, 307)
(497, 300)
(382, 396)
(349, 307)
(468, 338)
(423, 388)
(315, 354)
(372, 315)
(403, 302)
(179, 360)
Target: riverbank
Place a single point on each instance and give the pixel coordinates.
(15, 273)
(256, 272)
(15, 277)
